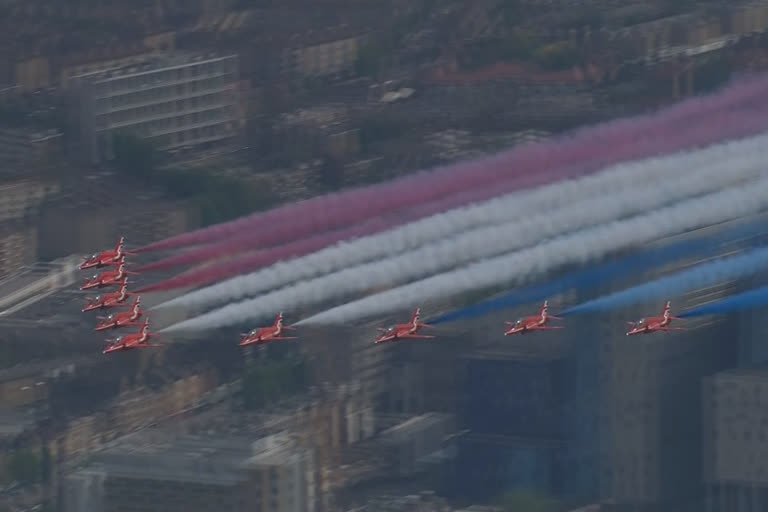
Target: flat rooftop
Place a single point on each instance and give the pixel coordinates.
(207, 459)
(153, 64)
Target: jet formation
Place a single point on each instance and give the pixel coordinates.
(118, 277)
(110, 278)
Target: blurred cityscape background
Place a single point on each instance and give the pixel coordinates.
(235, 106)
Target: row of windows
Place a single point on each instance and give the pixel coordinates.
(166, 76)
(195, 136)
(168, 109)
(165, 92)
(165, 125)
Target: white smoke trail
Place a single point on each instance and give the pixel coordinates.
(503, 209)
(577, 248)
(495, 240)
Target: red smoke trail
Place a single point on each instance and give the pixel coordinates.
(731, 125)
(334, 210)
(269, 256)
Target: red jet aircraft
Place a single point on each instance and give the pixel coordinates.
(123, 319)
(404, 331)
(109, 300)
(132, 341)
(654, 323)
(108, 278)
(533, 323)
(264, 335)
(106, 258)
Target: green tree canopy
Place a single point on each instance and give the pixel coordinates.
(219, 198)
(134, 156)
(271, 381)
(557, 56)
(25, 466)
(368, 61)
(526, 501)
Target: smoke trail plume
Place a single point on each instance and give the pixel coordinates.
(728, 126)
(699, 276)
(265, 257)
(741, 302)
(637, 181)
(583, 146)
(606, 272)
(581, 247)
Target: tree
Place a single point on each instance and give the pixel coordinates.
(332, 173)
(271, 381)
(510, 12)
(557, 56)
(134, 156)
(14, 114)
(525, 501)
(24, 466)
(368, 61)
(519, 45)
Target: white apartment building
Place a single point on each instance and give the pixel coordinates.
(172, 100)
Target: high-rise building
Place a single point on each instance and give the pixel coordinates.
(735, 441)
(174, 101)
(646, 405)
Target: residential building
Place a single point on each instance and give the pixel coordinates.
(23, 150)
(23, 198)
(18, 247)
(283, 475)
(735, 441)
(633, 413)
(172, 100)
(195, 474)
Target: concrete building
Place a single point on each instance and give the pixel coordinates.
(735, 441)
(642, 397)
(286, 475)
(24, 150)
(18, 247)
(417, 441)
(510, 400)
(22, 198)
(197, 474)
(173, 100)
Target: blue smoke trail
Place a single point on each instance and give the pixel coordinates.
(696, 277)
(747, 300)
(588, 278)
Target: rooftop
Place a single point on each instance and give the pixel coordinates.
(194, 458)
(417, 423)
(755, 372)
(152, 64)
